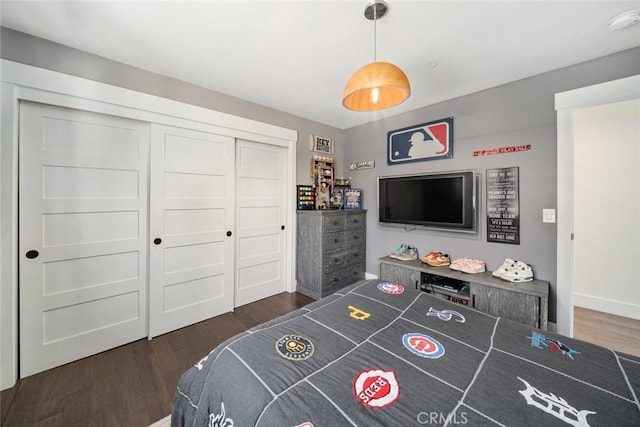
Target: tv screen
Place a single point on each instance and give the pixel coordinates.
(442, 200)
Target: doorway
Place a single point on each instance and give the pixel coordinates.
(598, 200)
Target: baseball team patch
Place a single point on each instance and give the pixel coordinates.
(446, 315)
(376, 388)
(295, 347)
(423, 345)
(391, 288)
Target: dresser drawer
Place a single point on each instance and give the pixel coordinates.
(343, 239)
(335, 240)
(355, 220)
(356, 256)
(333, 222)
(334, 261)
(340, 259)
(342, 277)
(355, 237)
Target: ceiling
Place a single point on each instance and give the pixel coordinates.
(296, 56)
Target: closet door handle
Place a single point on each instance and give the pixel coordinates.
(157, 241)
(282, 227)
(229, 233)
(32, 254)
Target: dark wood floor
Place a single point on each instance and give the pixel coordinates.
(132, 385)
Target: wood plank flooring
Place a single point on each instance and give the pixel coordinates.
(132, 385)
(614, 332)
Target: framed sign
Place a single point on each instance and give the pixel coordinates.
(322, 145)
(352, 198)
(367, 164)
(427, 141)
(503, 205)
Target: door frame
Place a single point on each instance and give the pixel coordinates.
(25, 82)
(565, 104)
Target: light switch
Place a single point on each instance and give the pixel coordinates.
(549, 215)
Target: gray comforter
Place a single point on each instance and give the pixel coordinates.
(378, 354)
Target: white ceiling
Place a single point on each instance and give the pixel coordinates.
(296, 56)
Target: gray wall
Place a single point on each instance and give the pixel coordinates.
(27, 49)
(517, 113)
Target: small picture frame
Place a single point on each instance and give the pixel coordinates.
(337, 198)
(352, 198)
(322, 145)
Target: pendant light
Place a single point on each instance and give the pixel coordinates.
(377, 85)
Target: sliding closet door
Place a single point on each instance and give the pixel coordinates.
(261, 173)
(83, 234)
(191, 226)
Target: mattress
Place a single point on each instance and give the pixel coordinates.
(380, 354)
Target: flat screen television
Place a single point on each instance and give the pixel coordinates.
(439, 200)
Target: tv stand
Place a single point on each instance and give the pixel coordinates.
(524, 302)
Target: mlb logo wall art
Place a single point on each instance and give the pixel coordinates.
(427, 141)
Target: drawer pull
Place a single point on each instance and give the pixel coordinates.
(335, 222)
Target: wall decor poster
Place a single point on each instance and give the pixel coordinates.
(352, 198)
(503, 205)
(322, 145)
(426, 141)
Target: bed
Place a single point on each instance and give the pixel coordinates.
(380, 354)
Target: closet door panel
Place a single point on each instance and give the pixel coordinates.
(261, 214)
(83, 234)
(191, 256)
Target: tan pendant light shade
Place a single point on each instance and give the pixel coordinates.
(376, 86)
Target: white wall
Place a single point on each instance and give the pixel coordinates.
(607, 207)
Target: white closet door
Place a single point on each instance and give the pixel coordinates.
(83, 234)
(261, 238)
(191, 255)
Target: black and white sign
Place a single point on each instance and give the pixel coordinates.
(503, 205)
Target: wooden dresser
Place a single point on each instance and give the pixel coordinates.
(331, 249)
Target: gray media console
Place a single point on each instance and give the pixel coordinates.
(525, 302)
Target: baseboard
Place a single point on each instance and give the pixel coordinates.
(607, 306)
(370, 276)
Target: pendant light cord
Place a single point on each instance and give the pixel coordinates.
(375, 20)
